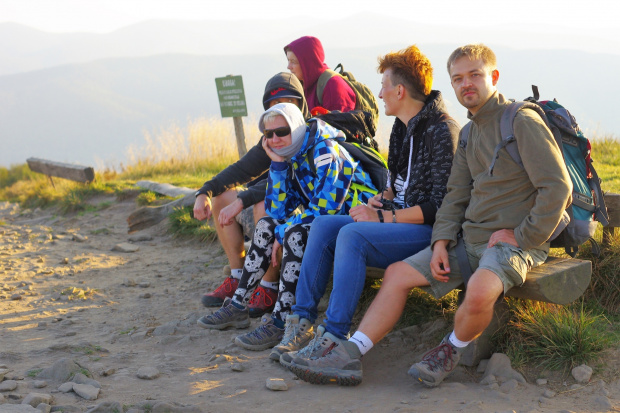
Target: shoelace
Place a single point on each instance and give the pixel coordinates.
(260, 297)
(434, 361)
(289, 333)
(314, 344)
(226, 286)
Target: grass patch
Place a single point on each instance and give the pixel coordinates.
(555, 337)
(33, 372)
(183, 224)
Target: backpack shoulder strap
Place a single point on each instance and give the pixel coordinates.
(322, 82)
(464, 135)
(506, 125)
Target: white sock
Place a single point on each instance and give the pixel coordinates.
(456, 342)
(362, 341)
(268, 284)
(236, 273)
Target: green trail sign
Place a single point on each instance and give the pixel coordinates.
(231, 95)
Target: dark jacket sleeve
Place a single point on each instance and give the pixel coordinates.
(444, 143)
(254, 194)
(250, 166)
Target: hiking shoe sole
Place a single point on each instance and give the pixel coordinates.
(327, 375)
(235, 324)
(209, 301)
(285, 359)
(416, 374)
(256, 347)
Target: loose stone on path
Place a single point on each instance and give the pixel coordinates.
(125, 247)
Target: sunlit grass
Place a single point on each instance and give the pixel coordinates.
(555, 337)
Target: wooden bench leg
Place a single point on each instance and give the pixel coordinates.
(480, 348)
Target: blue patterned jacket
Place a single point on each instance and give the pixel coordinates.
(334, 185)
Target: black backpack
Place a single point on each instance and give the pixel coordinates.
(359, 131)
(364, 98)
(588, 206)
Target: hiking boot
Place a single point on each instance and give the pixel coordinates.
(265, 336)
(227, 316)
(216, 298)
(436, 364)
(331, 361)
(263, 300)
(297, 334)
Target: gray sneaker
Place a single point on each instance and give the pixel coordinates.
(297, 334)
(227, 316)
(436, 364)
(265, 336)
(330, 360)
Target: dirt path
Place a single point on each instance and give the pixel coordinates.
(65, 294)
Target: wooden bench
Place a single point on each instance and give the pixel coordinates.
(558, 281)
(85, 174)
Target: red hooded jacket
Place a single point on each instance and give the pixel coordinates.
(337, 94)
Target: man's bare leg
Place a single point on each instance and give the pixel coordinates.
(476, 311)
(383, 314)
(230, 236)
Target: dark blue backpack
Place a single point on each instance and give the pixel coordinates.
(588, 206)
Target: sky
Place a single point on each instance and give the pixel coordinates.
(596, 18)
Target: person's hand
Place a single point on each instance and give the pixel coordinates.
(440, 263)
(364, 213)
(270, 153)
(202, 207)
(228, 214)
(375, 201)
(274, 253)
(503, 235)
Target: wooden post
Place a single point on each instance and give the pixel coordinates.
(240, 135)
(613, 209)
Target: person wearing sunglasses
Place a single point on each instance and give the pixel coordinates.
(310, 169)
(236, 209)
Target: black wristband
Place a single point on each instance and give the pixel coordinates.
(380, 214)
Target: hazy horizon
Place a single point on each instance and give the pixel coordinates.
(80, 70)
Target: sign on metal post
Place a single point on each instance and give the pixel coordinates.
(232, 105)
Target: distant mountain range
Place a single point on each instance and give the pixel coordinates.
(79, 97)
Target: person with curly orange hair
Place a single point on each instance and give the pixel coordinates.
(392, 226)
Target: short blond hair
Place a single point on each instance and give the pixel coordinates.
(474, 52)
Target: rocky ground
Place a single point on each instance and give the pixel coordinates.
(93, 319)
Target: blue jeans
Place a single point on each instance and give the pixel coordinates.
(350, 246)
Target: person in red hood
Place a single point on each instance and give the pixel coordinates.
(306, 60)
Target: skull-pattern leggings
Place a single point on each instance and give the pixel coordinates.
(258, 260)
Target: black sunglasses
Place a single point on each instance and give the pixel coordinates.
(280, 132)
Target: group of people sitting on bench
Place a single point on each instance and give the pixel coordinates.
(313, 214)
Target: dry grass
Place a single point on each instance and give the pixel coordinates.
(204, 145)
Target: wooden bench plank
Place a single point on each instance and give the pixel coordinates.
(612, 201)
(77, 173)
(558, 281)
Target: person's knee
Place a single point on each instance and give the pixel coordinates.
(482, 292)
(222, 200)
(402, 276)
